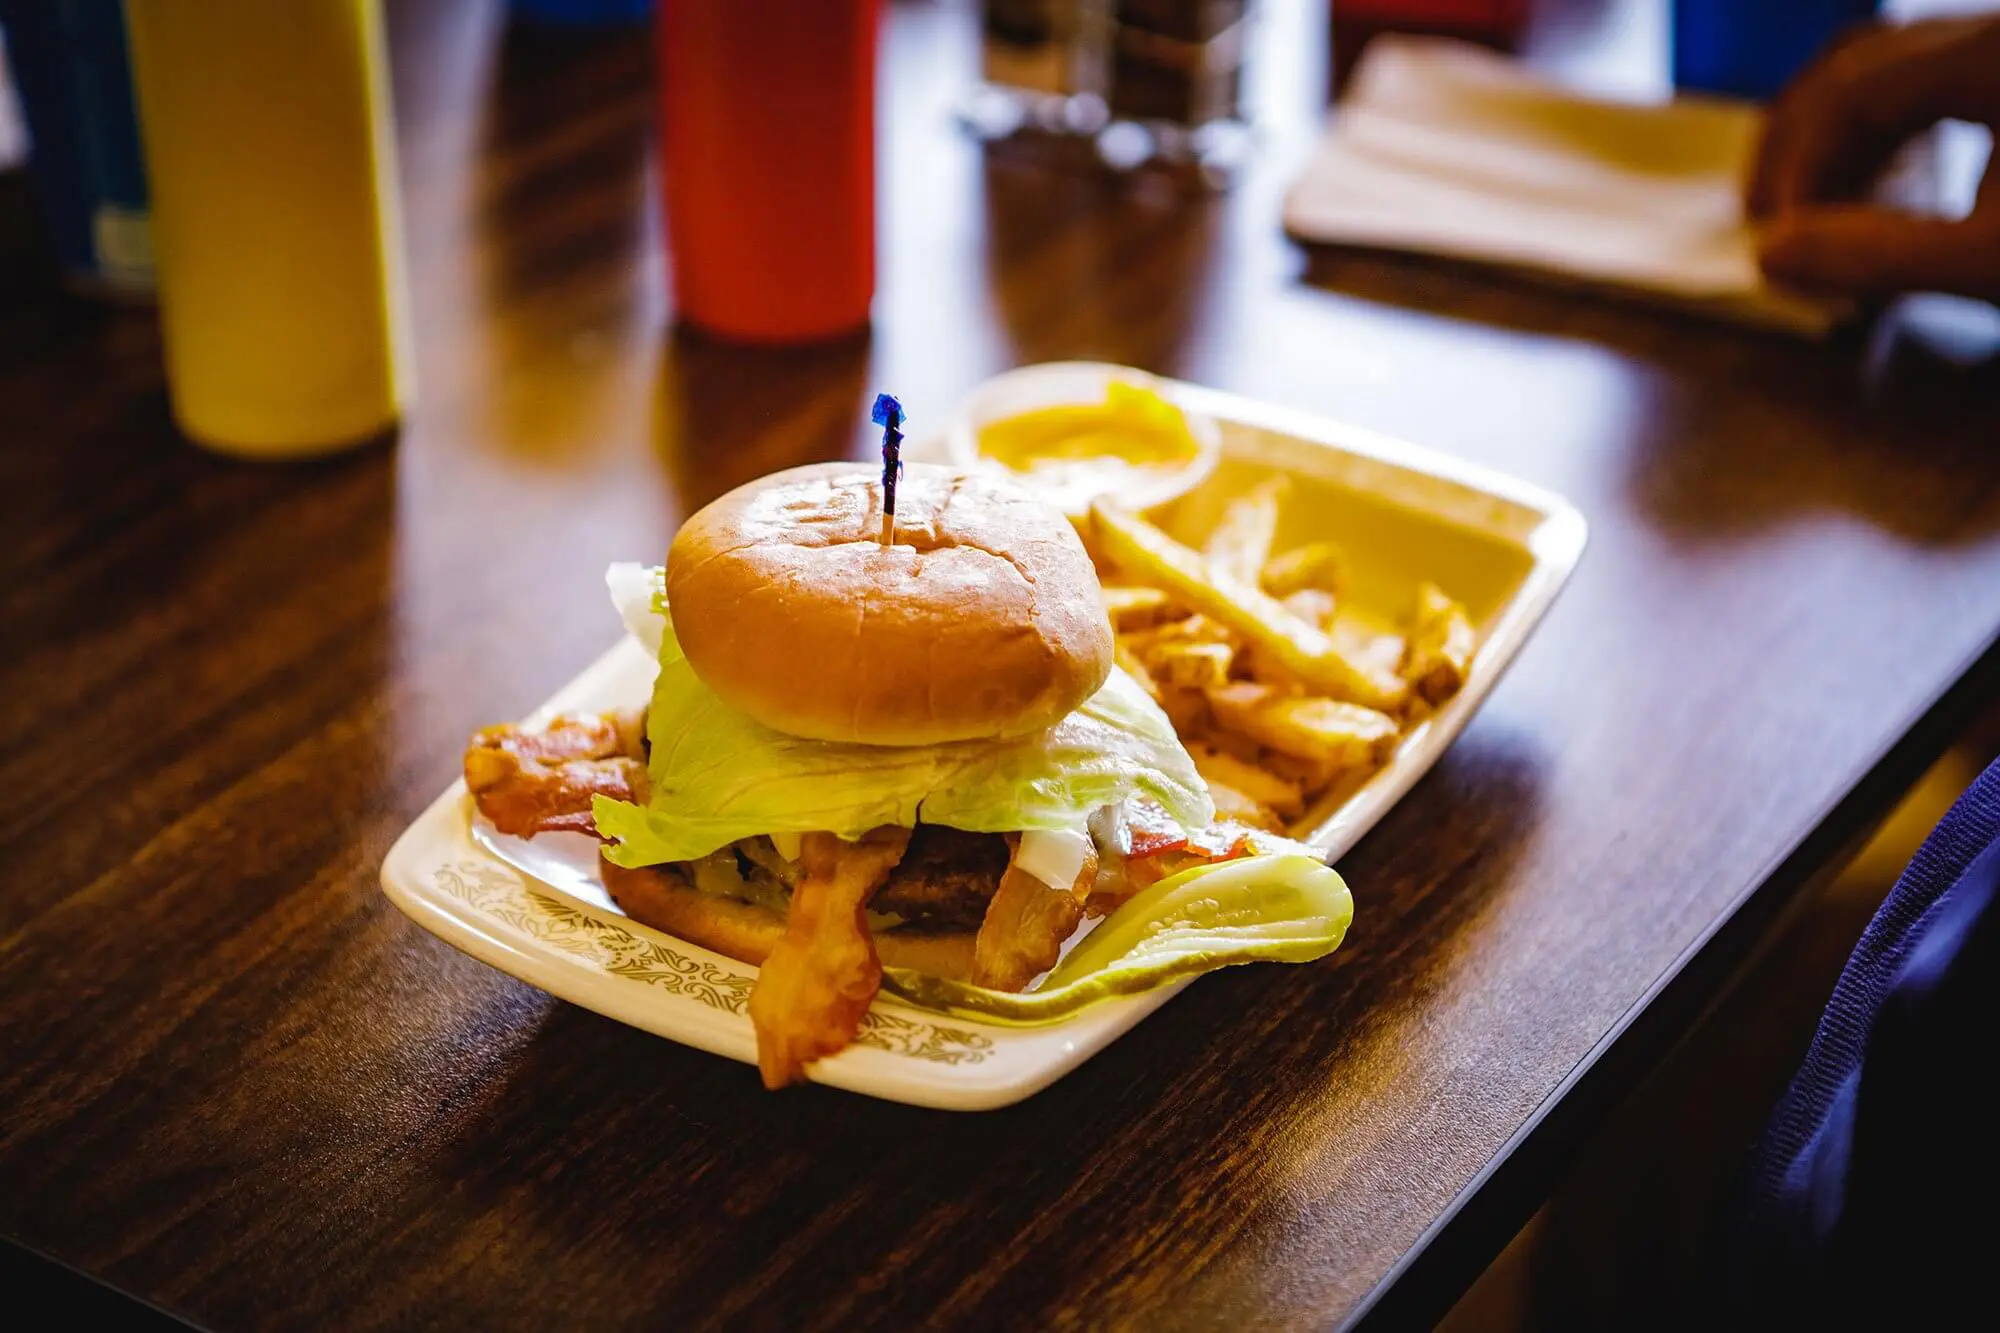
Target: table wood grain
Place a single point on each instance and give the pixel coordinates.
(236, 1082)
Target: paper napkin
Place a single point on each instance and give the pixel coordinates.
(1444, 148)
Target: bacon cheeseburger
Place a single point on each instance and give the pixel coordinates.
(916, 754)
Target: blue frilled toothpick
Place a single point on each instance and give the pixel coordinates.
(888, 414)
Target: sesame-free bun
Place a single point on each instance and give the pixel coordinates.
(660, 897)
(983, 619)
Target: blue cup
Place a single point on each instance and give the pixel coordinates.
(581, 13)
(84, 161)
(1753, 48)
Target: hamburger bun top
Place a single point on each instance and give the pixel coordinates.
(983, 619)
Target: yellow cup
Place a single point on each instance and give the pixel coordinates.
(271, 165)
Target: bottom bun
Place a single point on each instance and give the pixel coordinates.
(659, 897)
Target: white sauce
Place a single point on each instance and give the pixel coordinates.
(632, 587)
(1110, 827)
(1054, 856)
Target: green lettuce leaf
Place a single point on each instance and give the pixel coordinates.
(719, 775)
(1289, 909)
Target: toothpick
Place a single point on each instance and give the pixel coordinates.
(888, 414)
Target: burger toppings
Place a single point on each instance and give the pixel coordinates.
(1054, 856)
(718, 775)
(1279, 907)
(945, 879)
(1026, 925)
(822, 975)
(530, 782)
(527, 782)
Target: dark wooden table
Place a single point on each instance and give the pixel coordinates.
(236, 1082)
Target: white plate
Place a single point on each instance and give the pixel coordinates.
(537, 911)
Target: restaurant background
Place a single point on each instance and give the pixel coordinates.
(542, 314)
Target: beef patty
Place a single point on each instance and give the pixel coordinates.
(944, 881)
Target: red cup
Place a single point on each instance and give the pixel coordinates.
(1494, 23)
(767, 133)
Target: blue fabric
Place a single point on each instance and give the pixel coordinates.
(1869, 1196)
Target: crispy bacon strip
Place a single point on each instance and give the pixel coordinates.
(816, 986)
(1154, 833)
(530, 782)
(1151, 829)
(1025, 926)
(1161, 848)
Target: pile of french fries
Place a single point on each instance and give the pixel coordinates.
(1281, 700)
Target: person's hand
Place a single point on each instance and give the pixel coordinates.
(1830, 134)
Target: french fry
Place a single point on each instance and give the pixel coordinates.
(1137, 608)
(1149, 556)
(1187, 710)
(1261, 665)
(1315, 606)
(1347, 735)
(1241, 542)
(1441, 642)
(1283, 797)
(1192, 666)
(1243, 808)
(1326, 695)
(1373, 650)
(1232, 743)
(1087, 534)
(1187, 629)
(1330, 788)
(1316, 565)
(1193, 652)
(1313, 776)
